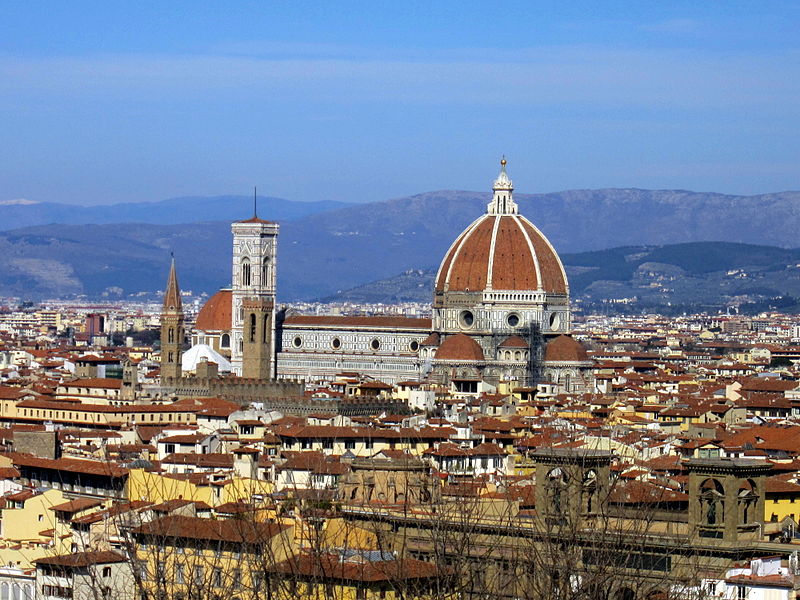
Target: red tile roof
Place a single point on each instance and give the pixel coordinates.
(460, 347)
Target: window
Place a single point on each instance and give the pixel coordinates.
(179, 574)
(297, 342)
(217, 577)
(106, 571)
(375, 344)
(414, 346)
(350, 444)
(512, 320)
(336, 343)
(265, 272)
(245, 271)
(252, 327)
(225, 341)
(466, 318)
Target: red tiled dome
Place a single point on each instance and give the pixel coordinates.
(216, 313)
(565, 349)
(459, 347)
(503, 250)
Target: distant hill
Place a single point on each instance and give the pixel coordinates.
(695, 273)
(189, 209)
(323, 253)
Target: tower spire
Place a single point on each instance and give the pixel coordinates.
(502, 200)
(255, 202)
(172, 295)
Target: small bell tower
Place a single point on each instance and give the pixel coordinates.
(172, 333)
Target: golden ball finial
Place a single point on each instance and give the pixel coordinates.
(503, 161)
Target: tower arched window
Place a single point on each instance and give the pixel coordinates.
(265, 272)
(246, 272)
(252, 327)
(171, 335)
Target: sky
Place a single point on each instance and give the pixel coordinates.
(104, 102)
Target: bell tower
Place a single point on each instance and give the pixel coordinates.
(255, 243)
(171, 328)
(726, 498)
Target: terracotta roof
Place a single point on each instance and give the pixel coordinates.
(73, 465)
(332, 566)
(255, 219)
(513, 342)
(349, 321)
(94, 382)
(459, 347)
(216, 313)
(565, 349)
(431, 340)
(198, 528)
(77, 505)
(506, 248)
(81, 559)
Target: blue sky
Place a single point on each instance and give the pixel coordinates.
(111, 102)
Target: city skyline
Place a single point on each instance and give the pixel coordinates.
(362, 103)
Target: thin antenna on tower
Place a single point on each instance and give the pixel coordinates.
(255, 202)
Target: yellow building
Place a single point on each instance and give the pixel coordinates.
(198, 557)
(27, 526)
(782, 499)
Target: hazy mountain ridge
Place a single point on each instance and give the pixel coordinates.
(187, 209)
(323, 253)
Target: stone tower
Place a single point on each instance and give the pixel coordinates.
(172, 333)
(572, 485)
(255, 244)
(726, 498)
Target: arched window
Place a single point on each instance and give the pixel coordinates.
(245, 271)
(712, 497)
(556, 486)
(225, 341)
(171, 335)
(590, 491)
(264, 329)
(252, 327)
(265, 272)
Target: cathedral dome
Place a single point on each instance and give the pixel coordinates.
(216, 313)
(502, 250)
(460, 347)
(565, 348)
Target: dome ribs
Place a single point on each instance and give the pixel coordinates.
(513, 263)
(554, 279)
(470, 263)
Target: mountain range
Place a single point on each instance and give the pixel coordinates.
(15, 214)
(326, 248)
(694, 275)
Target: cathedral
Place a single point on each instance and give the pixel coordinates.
(500, 313)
